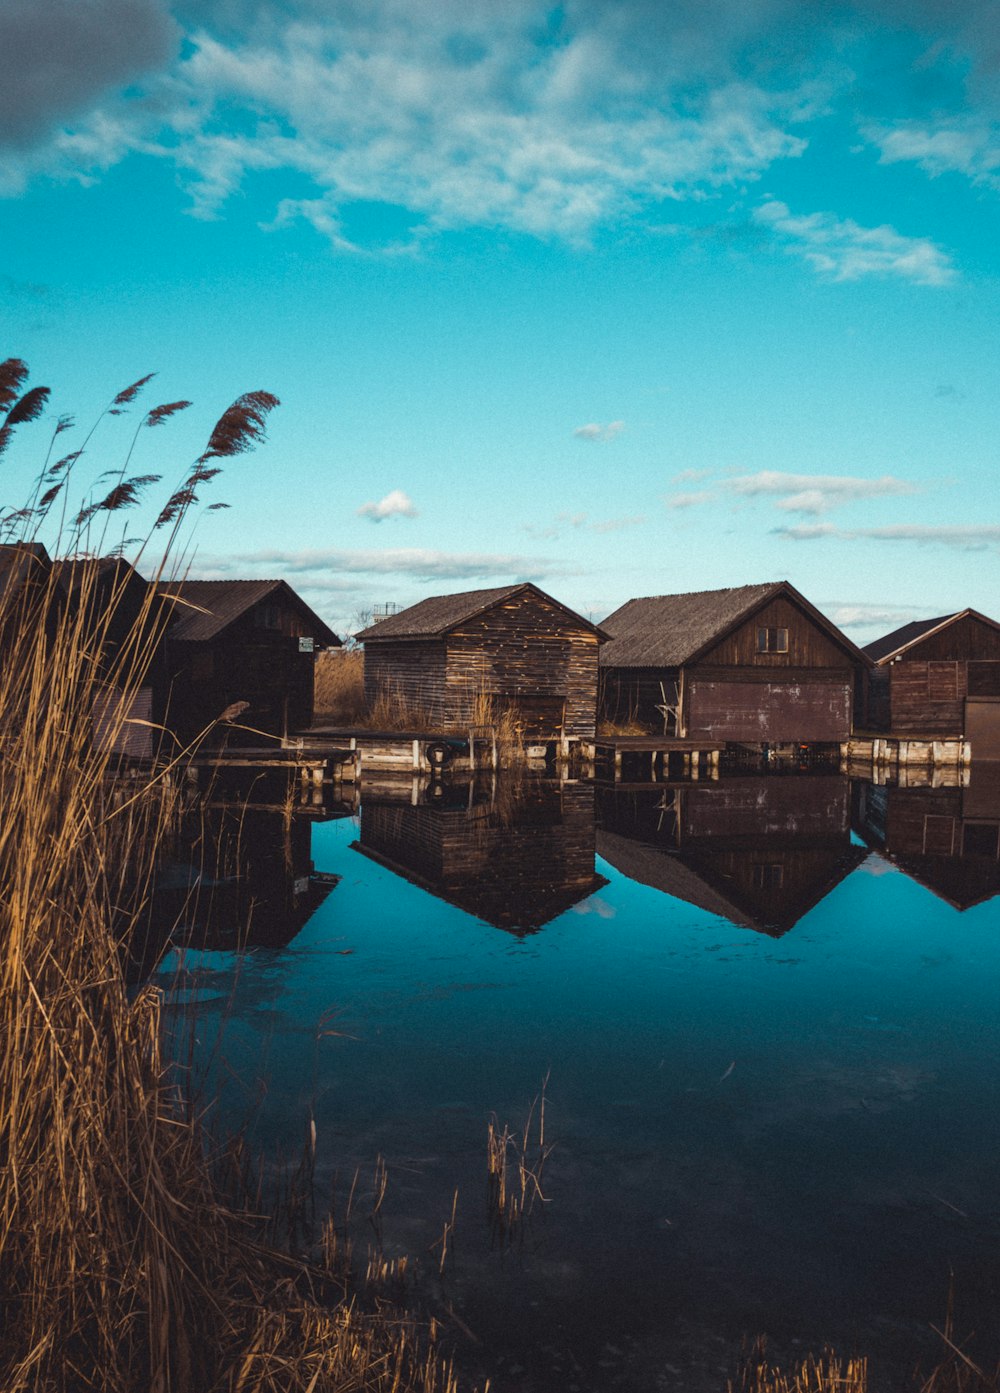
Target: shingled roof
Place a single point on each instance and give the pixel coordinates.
(434, 617)
(670, 630)
(207, 607)
(908, 634)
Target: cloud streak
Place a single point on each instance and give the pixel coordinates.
(842, 250)
(809, 494)
(972, 537)
(815, 493)
(417, 562)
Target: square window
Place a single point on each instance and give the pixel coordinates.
(772, 640)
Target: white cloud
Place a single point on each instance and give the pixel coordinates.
(815, 493)
(466, 115)
(396, 504)
(843, 250)
(595, 431)
(970, 147)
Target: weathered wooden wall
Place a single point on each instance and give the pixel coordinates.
(807, 694)
(808, 645)
(929, 685)
(411, 674)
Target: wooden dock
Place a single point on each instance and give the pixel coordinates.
(665, 756)
(905, 750)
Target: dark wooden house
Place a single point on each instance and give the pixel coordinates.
(517, 866)
(948, 839)
(941, 677)
(515, 645)
(124, 619)
(757, 664)
(232, 642)
(760, 852)
(27, 593)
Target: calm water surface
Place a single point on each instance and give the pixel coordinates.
(767, 1011)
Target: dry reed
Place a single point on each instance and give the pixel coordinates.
(339, 686)
(122, 1265)
(515, 1162)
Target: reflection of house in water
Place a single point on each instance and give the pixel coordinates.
(946, 838)
(760, 852)
(517, 862)
(244, 879)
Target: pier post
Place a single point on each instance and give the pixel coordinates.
(695, 763)
(618, 765)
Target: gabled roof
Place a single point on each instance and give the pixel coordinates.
(21, 560)
(205, 608)
(883, 650)
(436, 616)
(671, 630)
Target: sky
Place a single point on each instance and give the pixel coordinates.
(620, 298)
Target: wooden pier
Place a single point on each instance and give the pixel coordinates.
(903, 751)
(667, 756)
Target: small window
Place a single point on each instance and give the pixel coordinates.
(772, 640)
(768, 876)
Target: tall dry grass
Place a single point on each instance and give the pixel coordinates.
(121, 1267)
(339, 686)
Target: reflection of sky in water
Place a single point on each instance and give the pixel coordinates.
(752, 1133)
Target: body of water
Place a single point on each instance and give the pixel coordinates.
(766, 1008)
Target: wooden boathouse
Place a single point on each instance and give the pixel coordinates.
(756, 665)
(244, 644)
(515, 645)
(939, 678)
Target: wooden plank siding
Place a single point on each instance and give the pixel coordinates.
(929, 683)
(523, 652)
(412, 674)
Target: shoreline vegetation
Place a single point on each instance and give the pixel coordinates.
(123, 1267)
(133, 1255)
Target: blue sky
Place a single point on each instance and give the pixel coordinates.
(621, 298)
